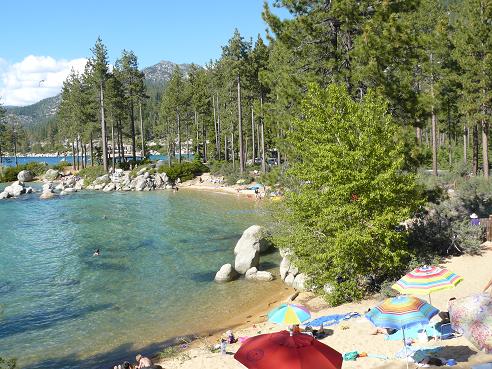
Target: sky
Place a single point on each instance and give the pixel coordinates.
(42, 40)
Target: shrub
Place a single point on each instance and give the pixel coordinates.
(8, 363)
(184, 171)
(91, 173)
(9, 174)
(61, 165)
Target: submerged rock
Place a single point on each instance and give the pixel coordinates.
(15, 189)
(253, 274)
(226, 273)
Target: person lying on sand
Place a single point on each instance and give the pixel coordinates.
(143, 362)
(488, 286)
(383, 331)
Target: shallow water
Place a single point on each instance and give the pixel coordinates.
(60, 307)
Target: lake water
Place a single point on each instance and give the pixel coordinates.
(60, 307)
(9, 161)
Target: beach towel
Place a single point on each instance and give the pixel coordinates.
(329, 320)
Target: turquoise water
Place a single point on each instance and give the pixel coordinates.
(10, 160)
(60, 307)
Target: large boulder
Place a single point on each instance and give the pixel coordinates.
(289, 280)
(25, 176)
(51, 175)
(226, 273)
(299, 282)
(140, 183)
(15, 189)
(4, 195)
(46, 195)
(246, 258)
(158, 181)
(253, 274)
(102, 180)
(109, 187)
(256, 237)
(284, 267)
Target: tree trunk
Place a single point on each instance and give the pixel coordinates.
(204, 143)
(92, 152)
(240, 127)
(232, 152)
(253, 133)
(475, 150)
(485, 148)
(132, 126)
(179, 137)
(74, 164)
(1, 154)
(119, 136)
(418, 133)
(263, 159)
(197, 146)
(113, 146)
(77, 151)
(226, 158)
(465, 146)
(216, 131)
(434, 142)
(103, 129)
(142, 132)
(188, 141)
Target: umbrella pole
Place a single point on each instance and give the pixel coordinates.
(430, 303)
(405, 345)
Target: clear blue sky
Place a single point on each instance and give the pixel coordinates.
(179, 31)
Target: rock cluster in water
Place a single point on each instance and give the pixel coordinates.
(15, 190)
(147, 179)
(247, 252)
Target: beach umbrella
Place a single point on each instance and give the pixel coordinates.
(289, 314)
(401, 312)
(282, 350)
(472, 317)
(425, 280)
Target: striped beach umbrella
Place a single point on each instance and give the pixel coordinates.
(289, 314)
(401, 312)
(425, 280)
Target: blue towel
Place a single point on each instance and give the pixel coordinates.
(329, 320)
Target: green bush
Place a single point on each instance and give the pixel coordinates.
(184, 171)
(9, 174)
(91, 173)
(8, 363)
(61, 165)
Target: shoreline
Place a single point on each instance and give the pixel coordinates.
(354, 334)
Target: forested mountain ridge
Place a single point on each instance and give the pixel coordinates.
(38, 113)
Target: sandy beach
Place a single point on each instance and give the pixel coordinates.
(354, 334)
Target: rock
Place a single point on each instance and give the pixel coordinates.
(99, 187)
(15, 189)
(102, 180)
(141, 171)
(264, 276)
(284, 267)
(79, 184)
(109, 187)
(246, 257)
(70, 190)
(293, 270)
(328, 288)
(4, 195)
(46, 195)
(90, 187)
(51, 175)
(251, 273)
(70, 181)
(146, 175)
(63, 193)
(226, 273)
(164, 178)
(29, 190)
(119, 172)
(60, 187)
(140, 183)
(256, 236)
(289, 280)
(48, 186)
(178, 180)
(299, 282)
(25, 176)
(285, 253)
(158, 181)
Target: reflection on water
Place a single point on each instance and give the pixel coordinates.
(60, 307)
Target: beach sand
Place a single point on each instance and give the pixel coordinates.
(353, 335)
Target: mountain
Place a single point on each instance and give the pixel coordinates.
(156, 75)
(160, 73)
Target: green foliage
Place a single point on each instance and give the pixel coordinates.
(340, 219)
(184, 171)
(8, 363)
(9, 174)
(272, 178)
(89, 174)
(61, 165)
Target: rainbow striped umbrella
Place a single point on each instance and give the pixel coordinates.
(401, 312)
(289, 314)
(427, 279)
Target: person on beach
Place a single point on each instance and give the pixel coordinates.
(223, 346)
(96, 253)
(230, 337)
(143, 362)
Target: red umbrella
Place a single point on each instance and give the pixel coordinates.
(282, 351)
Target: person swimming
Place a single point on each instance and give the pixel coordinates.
(96, 253)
